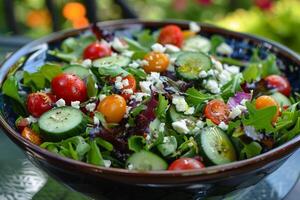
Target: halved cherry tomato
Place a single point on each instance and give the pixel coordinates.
(217, 111)
(69, 87)
(21, 123)
(96, 50)
(281, 84)
(39, 102)
(186, 163)
(33, 137)
(267, 101)
(131, 86)
(171, 34)
(157, 62)
(113, 108)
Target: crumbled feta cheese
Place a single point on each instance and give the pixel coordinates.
(101, 97)
(125, 82)
(234, 112)
(224, 49)
(189, 111)
(210, 72)
(75, 104)
(31, 119)
(90, 107)
(180, 103)
(96, 121)
(145, 86)
(232, 69)
(107, 163)
(223, 126)
(139, 96)
(118, 45)
(148, 137)
(128, 91)
(180, 127)
(154, 76)
(47, 90)
(171, 48)
(118, 78)
(144, 63)
(194, 27)
(130, 167)
(158, 48)
(87, 63)
(218, 65)
(134, 64)
(166, 140)
(60, 103)
(213, 86)
(224, 77)
(127, 53)
(128, 108)
(161, 127)
(202, 74)
(200, 124)
(127, 125)
(118, 85)
(96, 86)
(172, 60)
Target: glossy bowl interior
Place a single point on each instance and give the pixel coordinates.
(232, 176)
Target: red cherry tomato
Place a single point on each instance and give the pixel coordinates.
(21, 123)
(281, 84)
(131, 86)
(38, 103)
(217, 111)
(171, 34)
(186, 163)
(69, 87)
(96, 50)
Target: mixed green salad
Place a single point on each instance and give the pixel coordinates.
(168, 99)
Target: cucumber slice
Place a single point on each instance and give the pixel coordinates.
(174, 115)
(216, 146)
(145, 161)
(281, 99)
(78, 70)
(112, 61)
(188, 65)
(61, 123)
(197, 44)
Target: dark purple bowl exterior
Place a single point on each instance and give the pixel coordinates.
(112, 183)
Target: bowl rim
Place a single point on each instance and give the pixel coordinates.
(277, 153)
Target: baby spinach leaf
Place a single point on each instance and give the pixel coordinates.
(215, 41)
(49, 71)
(136, 143)
(251, 73)
(135, 46)
(161, 109)
(10, 88)
(251, 150)
(194, 97)
(138, 73)
(103, 143)
(94, 155)
(145, 38)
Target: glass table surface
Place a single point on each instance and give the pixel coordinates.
(21, 180)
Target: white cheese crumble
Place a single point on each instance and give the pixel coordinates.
(180, 127)
(166, 140)
(75, 104)
(87, 63)
(47, 90)
(127, 91)
(180, 103)
(144, 63)
(234, 113)
(101, 97)
(218, 65)
(31, 119)
(125, 82)
(139, 96)
(134, 64)
(213, 86)
(200, 124)
(224, 77)
(96, 120)
(171, 48)
(107, 163)
(128, 108)
(161, 127)
(130, 167)
(194, 27)
(60, 103)
(202, 74)
(127, 125)
(148, 137)
(118, 45)
(223, 126)
(158, 48)
(90, 107)
(189, 111)
(232, 69)
(210, 72)
(145, 86)
(224, 49)
(127, 53)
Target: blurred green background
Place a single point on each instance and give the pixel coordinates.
(278, 20)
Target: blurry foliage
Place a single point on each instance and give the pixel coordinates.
(278, 20)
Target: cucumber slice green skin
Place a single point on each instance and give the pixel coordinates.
(173, 114)
(146, 161)
(61, 123)
(281, 99)
(78, 70)
(216, 146)
(188, 65)
(112, 61)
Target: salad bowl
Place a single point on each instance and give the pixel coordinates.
(116, 183)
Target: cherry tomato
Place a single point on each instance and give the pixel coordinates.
(33, 137)
(217, 111)
(157, 62)
(171, 34)
(96, 50)
(267, 101)
(69, 87)
(131, 86)
(38, 103)
(188, 34)
(113, 108)
(186, 163)
(21, 123)
(281, 84)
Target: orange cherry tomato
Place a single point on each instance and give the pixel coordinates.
(131, 86)
(157, 62)
(217, 111)
(267, 101)
(188, 34)
(171, 34)
(33, 137)
(113, 108)
(186, 163)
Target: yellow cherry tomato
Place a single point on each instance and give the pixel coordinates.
(113, 108)
(28, 134)
(157, 62)
(267, 101)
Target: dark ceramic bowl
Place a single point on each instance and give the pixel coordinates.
(120, 183)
